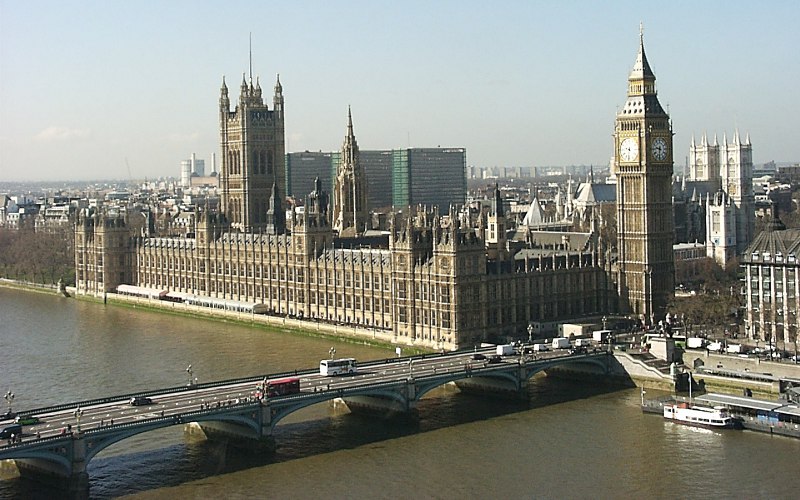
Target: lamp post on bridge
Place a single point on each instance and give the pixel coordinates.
(78, 414)
(530, 333)
(332, 352)
(9, 397)
(190, 373)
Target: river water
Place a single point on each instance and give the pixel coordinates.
(568, 440)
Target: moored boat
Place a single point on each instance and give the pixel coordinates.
(717, 417)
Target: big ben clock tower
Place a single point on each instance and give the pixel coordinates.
(643, 164)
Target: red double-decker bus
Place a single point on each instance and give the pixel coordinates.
(283, 387)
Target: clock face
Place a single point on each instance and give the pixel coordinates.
(660, 149)
(629, 149)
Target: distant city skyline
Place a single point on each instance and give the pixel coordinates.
(113, 90)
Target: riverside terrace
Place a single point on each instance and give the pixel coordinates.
(68, 436)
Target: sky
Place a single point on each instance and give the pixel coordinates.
(126, 90)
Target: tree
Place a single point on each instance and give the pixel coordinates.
(40, 257)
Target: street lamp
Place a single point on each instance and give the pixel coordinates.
(332, 352)
(604, 320)
(190, 373)
(530, 333)
(78, 413)
(9, 397)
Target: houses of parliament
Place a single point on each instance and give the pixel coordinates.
(438, 277)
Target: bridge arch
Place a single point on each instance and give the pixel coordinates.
(98, 440)
(280, 410)
(57, 460)
(429, 385)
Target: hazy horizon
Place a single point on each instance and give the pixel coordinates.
(126, 91)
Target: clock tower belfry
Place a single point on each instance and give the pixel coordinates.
(643, 167)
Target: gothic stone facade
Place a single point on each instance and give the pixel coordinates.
(433, 286)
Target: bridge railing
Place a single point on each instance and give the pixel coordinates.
(37, 441)
(168, 390)
(206, 385)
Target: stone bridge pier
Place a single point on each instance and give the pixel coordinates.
(399, 401)
(504, 384)
(60, 463)
(250, 428)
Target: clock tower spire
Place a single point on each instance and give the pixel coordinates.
(643, 166)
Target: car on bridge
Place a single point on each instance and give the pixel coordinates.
(11, 430)
(29, 420)
(478, 356)
(495, 358)
(140, 401)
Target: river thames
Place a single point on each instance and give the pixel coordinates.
(569, 439)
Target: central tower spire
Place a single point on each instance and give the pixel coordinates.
(350, 211)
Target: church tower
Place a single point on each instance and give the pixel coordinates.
(643, 166)
(252, 147)
(350, 211)
(737, 181)
(720, 228)
(496, 223)
(704, 160)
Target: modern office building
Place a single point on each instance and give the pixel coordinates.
(302, 169)
(193, 167)
(429, 177)
(396, 177)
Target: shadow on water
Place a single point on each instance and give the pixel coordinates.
(189, 460)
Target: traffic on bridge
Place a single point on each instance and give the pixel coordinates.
(175, 403)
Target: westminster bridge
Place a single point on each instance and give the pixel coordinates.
(64, 438)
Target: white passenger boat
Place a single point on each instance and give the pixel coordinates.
(717, 417)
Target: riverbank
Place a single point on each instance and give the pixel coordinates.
(350, 334)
